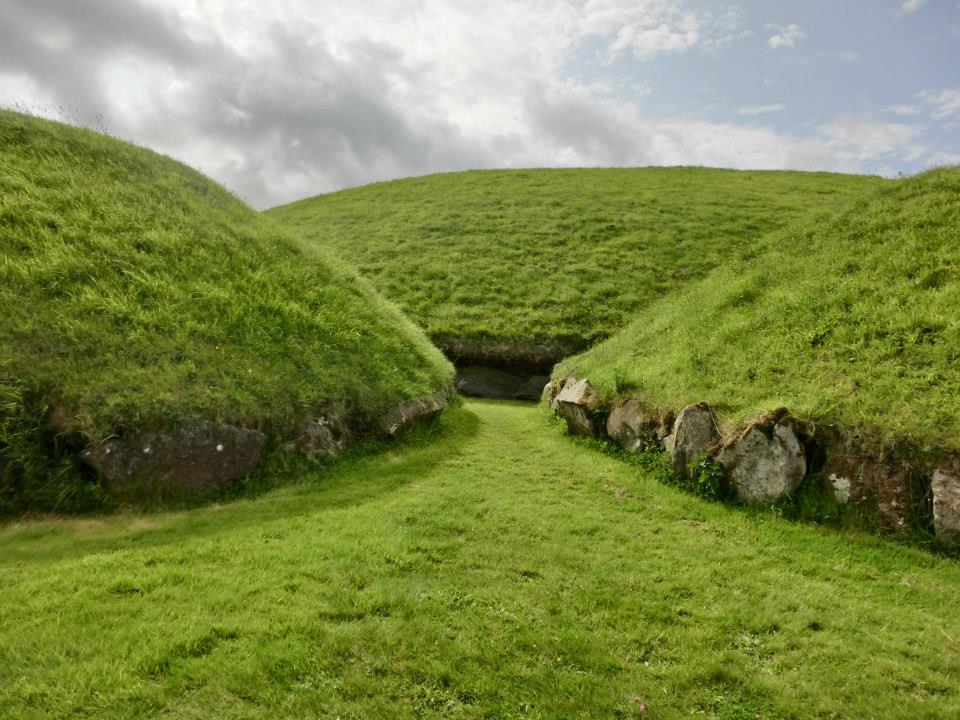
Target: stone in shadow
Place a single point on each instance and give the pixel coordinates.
(194, 456)
(487, 382)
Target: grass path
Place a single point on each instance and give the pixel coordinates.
(500, 570)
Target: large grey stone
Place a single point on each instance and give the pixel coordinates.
(487, 382)
(694, 432)
(553, 389)
(532, 388)
(765, 460)
(409, 413)
(577, 404)
(193, 456)
(637, 428)
(945, 486)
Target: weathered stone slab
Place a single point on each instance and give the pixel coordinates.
(193, 456)
(532, 388)
(765, 460)
(637, 428)
(409, 413)
(945, 487)
(694, 432)
(552, 389)
(487, 382)
(577, 404)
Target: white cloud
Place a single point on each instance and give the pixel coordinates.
(909, 6)
(279, 99)
(942, 159)
(906, 110)
(644, 28)
(760, 109)
(945, 105)
(861, 138)
(787, 36)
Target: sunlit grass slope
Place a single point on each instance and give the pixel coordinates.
(566, 256)
(497, 571)
(852, 320)
(135, 291)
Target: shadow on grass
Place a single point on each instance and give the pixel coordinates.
(844, 529)
(285, 489)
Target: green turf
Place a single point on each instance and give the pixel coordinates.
(134, 291)
(852, 320)
(499, 571)
(564, 256)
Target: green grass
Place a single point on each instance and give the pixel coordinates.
(498, 571)
(135, 292)
(558, 256)
(852, 320)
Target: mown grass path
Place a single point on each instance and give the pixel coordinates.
(500, 570)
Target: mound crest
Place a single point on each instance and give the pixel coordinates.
(515, 270)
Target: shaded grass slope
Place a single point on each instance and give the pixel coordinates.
(135, 292)
(500, 571)
(562, 257)
(851, 320)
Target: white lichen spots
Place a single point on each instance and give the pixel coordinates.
(841, 488)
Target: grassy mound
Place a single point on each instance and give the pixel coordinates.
(134, 292)
(552, 256)
(852, 320)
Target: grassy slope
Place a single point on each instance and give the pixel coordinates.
(566, 255)
(134, 290)
(852, 320)
(498, 571)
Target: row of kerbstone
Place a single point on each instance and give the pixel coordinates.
(769, 456)
(201, 455)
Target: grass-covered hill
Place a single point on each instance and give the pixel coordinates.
(556, 257)
(135, 292)
(852, 320)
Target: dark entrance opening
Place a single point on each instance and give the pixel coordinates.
(503, 370)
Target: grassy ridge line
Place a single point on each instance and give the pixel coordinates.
(852, 320)
(135, 292)
(556, 256)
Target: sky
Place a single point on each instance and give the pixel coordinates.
(284, 99)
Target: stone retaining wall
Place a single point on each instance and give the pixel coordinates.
(200, 455)
(772, 455)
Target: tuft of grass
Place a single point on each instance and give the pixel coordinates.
(499, 571)
(564, 257)
(851, 320)
(135, 292)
